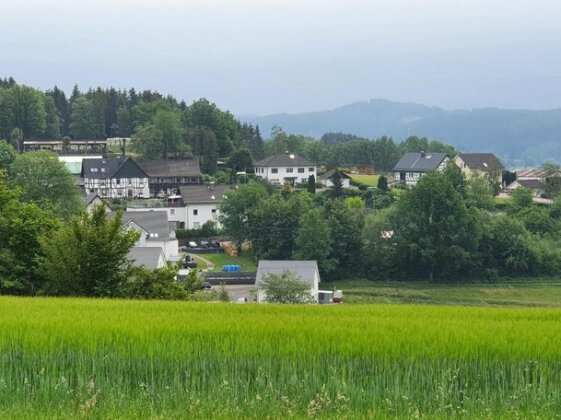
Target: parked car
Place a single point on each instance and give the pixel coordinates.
(206, 285)
(204, 244)
(193, 244)
(215, 244)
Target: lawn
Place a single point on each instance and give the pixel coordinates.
(99, 358)
(515, 293)
(221, 259)
(368, 180)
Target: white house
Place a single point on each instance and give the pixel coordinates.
(202, 203)
(327, 179)
(115, 178)
(285, 167)
(155, 231)
(412, 166)
(306, 271)
(150, 257)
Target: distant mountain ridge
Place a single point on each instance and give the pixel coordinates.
(518, 137)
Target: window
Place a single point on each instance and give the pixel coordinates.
(289, 170)
(311, 169)
(93, 169)
(300, 170)
(196, 225)
(102, 169)
(195, 212)
(213, 211)
(275, 170)
(92, 191)
(118, 181)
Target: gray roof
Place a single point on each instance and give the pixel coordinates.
(305, 270)
(90, 198)
(284, 159)
(531, 184)
(420, 162)
(482, 161)
(147, 257)
(171, 168)
(153, 222)
(108, 168)
(201, 194)
(331, 172)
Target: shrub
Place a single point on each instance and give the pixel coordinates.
(286, 287)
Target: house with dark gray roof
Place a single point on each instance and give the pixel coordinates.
(155, 231)
(166, 176)
(480, 164)
(115, 177)
(202, 204)
(537, 186)
(285, 167)
(305, 271)
(413, 165)
(150, 257)
(327, 179)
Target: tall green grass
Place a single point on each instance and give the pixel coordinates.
(126, 359)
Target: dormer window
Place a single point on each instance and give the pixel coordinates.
(93, 169)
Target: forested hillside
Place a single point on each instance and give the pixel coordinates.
(519, 137)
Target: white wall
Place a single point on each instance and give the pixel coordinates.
(204, 214)
(283, 172)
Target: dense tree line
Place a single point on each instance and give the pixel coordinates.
(444, 229)
(161, 126)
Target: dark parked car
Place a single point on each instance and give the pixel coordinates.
(215, 244)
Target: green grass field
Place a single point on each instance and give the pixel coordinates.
(62, 358)
(368, 180)
(513, 293)
(219, 260)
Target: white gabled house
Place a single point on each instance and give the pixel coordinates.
(285, 167)
(306, 271)
(202, 204)
(327, 179)
(155, 231)
(412, 166)
(116, 177)
(196, 205)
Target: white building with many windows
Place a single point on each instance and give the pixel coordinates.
(286, 167)
(115, 178)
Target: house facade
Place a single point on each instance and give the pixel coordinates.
(202, 204)
(166, 176)
(117, 177)
(155, 231)
(305, 271)
(285, 167)
(412, 166)
(480, 165)
(327, 179)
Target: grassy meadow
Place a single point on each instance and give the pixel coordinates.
(219, 260)
(61, 358)
(368, 180)
(535, 293)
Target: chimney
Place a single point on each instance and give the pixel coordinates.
(423, 154)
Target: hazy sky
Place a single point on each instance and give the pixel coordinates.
(266, 56)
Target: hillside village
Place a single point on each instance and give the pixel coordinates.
(161, 197)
